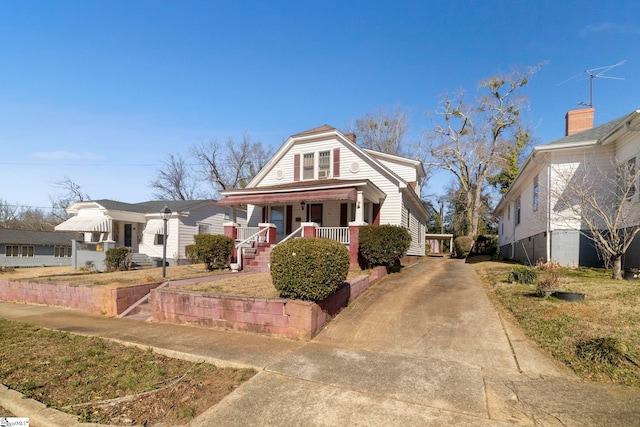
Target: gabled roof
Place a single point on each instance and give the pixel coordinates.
(324, 129)
(149, 207)
(319, 129)
(29, 237)
(598, 135)
(594, 135)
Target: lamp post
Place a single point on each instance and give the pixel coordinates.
(165, 214)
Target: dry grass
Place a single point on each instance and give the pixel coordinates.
(106, 382)
(147, 275)
(610, 310)
(246, 284)
(254, 285)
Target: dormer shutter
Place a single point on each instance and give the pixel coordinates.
(336, 162)
(296, 167)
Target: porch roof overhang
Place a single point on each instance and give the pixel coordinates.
(86, 224)
(291, 197)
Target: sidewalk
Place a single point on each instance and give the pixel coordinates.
(420, 348)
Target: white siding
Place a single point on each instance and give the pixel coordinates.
(391, 206)
(565, 169)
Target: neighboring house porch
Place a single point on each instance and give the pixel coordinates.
(103, 224)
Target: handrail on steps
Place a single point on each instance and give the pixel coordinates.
(289, 236)
(245, 241)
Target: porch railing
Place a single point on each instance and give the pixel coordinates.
(248, 234)
(341, 234)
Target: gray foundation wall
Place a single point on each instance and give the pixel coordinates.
(529, 250)
(632, 258)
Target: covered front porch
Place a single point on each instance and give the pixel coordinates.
(326, 209)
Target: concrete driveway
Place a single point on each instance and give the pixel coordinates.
(423, 347)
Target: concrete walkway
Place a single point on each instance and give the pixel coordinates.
(423, 347)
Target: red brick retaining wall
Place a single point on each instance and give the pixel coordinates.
(99, 299)
(273, 316)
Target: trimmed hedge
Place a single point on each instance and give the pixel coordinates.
(309, 269)
(118, 258)
(213, 249)
(383, 244)
(463, 246)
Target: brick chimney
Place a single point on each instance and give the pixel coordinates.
(579, 120)
(351, 137)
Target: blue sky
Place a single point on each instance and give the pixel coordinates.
(102, 91)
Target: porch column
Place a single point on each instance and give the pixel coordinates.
(231, 230)
(360, 208)
(354, 243)
(309, 229)
(267, 232)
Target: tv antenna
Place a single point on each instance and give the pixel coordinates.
(599, 73)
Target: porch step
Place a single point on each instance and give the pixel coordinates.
(142, 261)
(141, 310)
(259, 261)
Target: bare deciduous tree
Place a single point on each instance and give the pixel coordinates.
(472, 140)
(602, 202)
(383, 131)
(9, 214)
(25, 218)
(230, 164)
(176, 180)
(72, 192)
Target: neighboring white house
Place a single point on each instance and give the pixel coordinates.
(533, 223)
(322, 177)
(139, 226)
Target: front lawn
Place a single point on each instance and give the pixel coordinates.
(599, 338)
(105, 382)
(129, 277)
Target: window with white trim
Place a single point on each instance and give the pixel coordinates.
(308, 166)
(62, 252)
(627, 178)
(12, 250)
(324, 163)
(536, 190)
(517, 211)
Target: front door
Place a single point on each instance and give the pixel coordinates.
(314, 213)
(127, 235)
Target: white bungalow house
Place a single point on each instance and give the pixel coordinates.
(102, 224)
(534, 224)
(320, 183)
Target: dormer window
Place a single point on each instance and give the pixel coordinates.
(307, 166)
(324, 164)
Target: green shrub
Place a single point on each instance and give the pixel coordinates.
(213, 249)
(190, 254)
(486, 244)
(523, 274)
(118, 258)
(383, 244)
(309, 269)
(463, 246)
